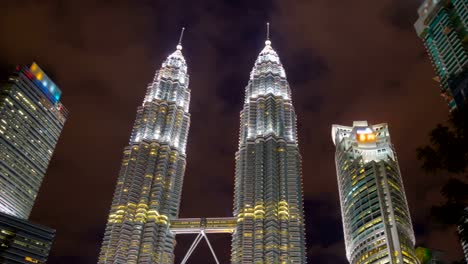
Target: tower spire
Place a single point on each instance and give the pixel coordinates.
(268, 42)
(179, 45)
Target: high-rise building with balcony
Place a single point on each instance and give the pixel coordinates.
(268, 198)
(149, 186)
(376, 220)
(31, 120)
(443, 27)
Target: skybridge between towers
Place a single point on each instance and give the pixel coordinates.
(218, 225)
(202, 227)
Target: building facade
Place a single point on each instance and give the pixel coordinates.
(376, 220)
(148, 191)
(23, 242)
(268, 199)
(31, 120)
(443, 27)
(462, 231)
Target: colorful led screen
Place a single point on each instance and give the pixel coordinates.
(49, 88)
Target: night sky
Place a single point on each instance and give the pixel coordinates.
(345, 61)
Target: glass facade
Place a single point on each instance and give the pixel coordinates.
(149, 186)
(23, 242)
(31, 120)
(442, 25)
(376, 220)
(268, 199)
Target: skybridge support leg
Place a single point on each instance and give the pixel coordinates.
(201, 227)
(211, 248)
(194, 245)
(192, 248)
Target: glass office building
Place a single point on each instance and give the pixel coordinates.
(443, 27)
(268, 198)
(31, 120)
(23, 242)
(376, 220)
(149, 185)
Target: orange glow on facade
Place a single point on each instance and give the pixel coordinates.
(366, 137)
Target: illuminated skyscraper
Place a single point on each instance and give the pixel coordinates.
(148, 191)
(31, 120)
(443, 26)
(268, 200)
(376, 220)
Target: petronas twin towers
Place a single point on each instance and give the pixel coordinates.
(268, 219)
(268, 185)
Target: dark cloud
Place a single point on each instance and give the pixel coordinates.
(391, 87)
(306, 67)
(329, 258)
(326, 216)
(313, 104)
(401, 14)
(71, 260)
(233, 98)
(346, 60)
